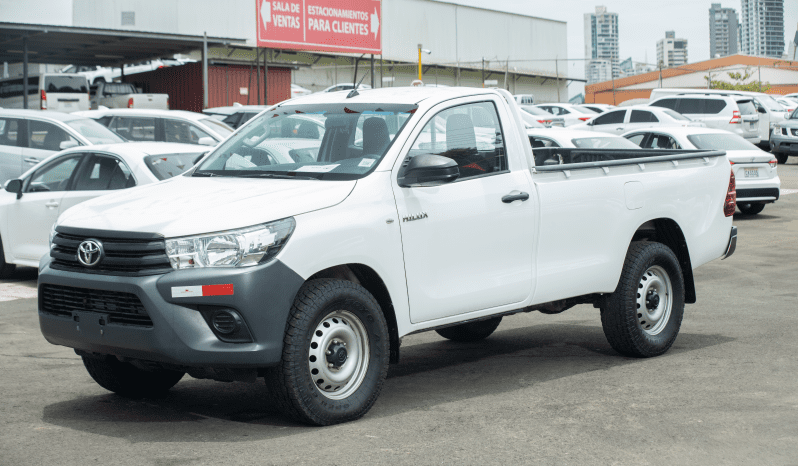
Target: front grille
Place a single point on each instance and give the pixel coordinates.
(123, 256)
(121, 308)
(759, 192)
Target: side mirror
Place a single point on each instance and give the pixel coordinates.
(68, 144)
(15, 186)
(761, 110)
(207, 141)
(428, 170)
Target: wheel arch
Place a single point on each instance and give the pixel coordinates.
(369, 279)
(668, 232)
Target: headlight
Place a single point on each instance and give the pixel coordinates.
(235, 248)
(52, 235)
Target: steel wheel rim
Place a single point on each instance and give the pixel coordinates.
(654, 300)
(338, 379)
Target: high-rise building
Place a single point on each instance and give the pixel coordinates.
(601, 45)
(792, 48)
(671, 51)
(762, 27)
(723, 25)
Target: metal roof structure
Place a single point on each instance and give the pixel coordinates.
(90, 46)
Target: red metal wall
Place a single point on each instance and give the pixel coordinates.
(184, 85)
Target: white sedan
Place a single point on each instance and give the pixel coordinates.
(162, 125)
(30, 205)
(570, 114)
(637, 117)
(758, 182)
(569, 138)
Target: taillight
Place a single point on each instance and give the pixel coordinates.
(773, 163)
(731, 197)
(544, 121)
(167, 102)
(585, 118)
(44, 100)
(130, 102)
(736, 118)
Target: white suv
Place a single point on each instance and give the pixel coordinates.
(735, 114)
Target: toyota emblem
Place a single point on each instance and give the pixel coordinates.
(90, 252)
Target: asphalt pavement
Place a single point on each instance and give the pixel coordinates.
(541, 390)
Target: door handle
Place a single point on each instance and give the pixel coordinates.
(515, 196)
(51, 205)
(32, 160)
(619, 129)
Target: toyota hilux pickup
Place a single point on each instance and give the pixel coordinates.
(304, 247)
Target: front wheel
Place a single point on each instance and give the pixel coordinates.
(6, 269)
(642, 317)
(750, 209)
(335, 354)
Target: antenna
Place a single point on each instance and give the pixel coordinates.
(354, 92)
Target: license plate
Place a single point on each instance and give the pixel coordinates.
(751, 124)
(751, 172)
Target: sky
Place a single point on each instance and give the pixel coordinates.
(641, 23)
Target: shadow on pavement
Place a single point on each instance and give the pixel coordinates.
(429, 374)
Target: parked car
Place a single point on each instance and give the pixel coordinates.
(345, 87)
(784, 138)
(789, 104)
(735, 114)
(543, 117)
(48, 91)
(29, 136)
(125, 95)
(413, 229)
(31, 204)
(598, 108)
(793, 96)
(570, 114)
(524, 99)
(770, 112)
(298, 91)
(162, 125)
(628, 118)
(235, 115)
(754, 170)
(556, 137)
(100, 74)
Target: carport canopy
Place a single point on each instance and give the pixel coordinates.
(88, 46)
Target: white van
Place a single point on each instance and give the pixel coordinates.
(62, 92)
(770, 112)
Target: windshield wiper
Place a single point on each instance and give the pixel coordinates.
(277, 175)
(204, 174)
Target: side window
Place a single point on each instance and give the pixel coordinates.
(714, 106)
(642, 116)
(541, 142)
(470, 135)
(611, 118)
(105, 121)
(54, 176)
(9, 132)
(232, 120)
(691, 106)
(637, 138)
(563, 111)
(665, 103)
(134, 128)
(104, 173)
(662, 141)
(47, 136)
(182, 131)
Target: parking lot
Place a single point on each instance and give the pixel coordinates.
(543, 389)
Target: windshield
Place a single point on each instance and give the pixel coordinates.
(770, 103)
(165, 166)
(329, 142)
(604, 143)
(535, 111)
(675, 115)
(94, 132)
(218, 127)
(66, 84)
(586, 110)
(794, 115)
(719, 141)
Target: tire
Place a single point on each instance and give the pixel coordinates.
(750, 209)
(6, 269)
(782, 158)
(654, 267)
(316, 382)
(127, 380)
(472, 331)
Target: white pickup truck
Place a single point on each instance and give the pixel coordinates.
(303, 254)
(125, 95)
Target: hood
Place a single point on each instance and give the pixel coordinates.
(789, 123)
(188, 206)
(749, 156)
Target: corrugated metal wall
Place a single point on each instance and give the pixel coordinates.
(226, 84)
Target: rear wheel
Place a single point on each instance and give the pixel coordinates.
(6, 269)
(472, 331)
(750, 209)
(642, 317)
(782, 158)
(128, 380)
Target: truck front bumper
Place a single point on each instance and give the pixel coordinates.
(84, 314)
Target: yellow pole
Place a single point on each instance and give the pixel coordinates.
(419, 62)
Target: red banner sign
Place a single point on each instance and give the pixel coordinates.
(320, 25)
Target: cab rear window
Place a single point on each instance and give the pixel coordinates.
(66, 84)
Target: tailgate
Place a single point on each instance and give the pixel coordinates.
(157, 101)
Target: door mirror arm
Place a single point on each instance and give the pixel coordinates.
(15, 186)
(428, 170)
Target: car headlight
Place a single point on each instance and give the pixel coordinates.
(52, 235)
(234, 248)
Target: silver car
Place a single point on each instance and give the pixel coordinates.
(784, 138)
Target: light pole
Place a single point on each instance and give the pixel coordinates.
(420, 51)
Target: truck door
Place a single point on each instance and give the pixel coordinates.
(467, 245)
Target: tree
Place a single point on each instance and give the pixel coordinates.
(739, 82)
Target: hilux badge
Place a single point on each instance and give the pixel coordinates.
(90, 252)
(415, 217)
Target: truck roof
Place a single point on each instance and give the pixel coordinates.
(392, 95)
